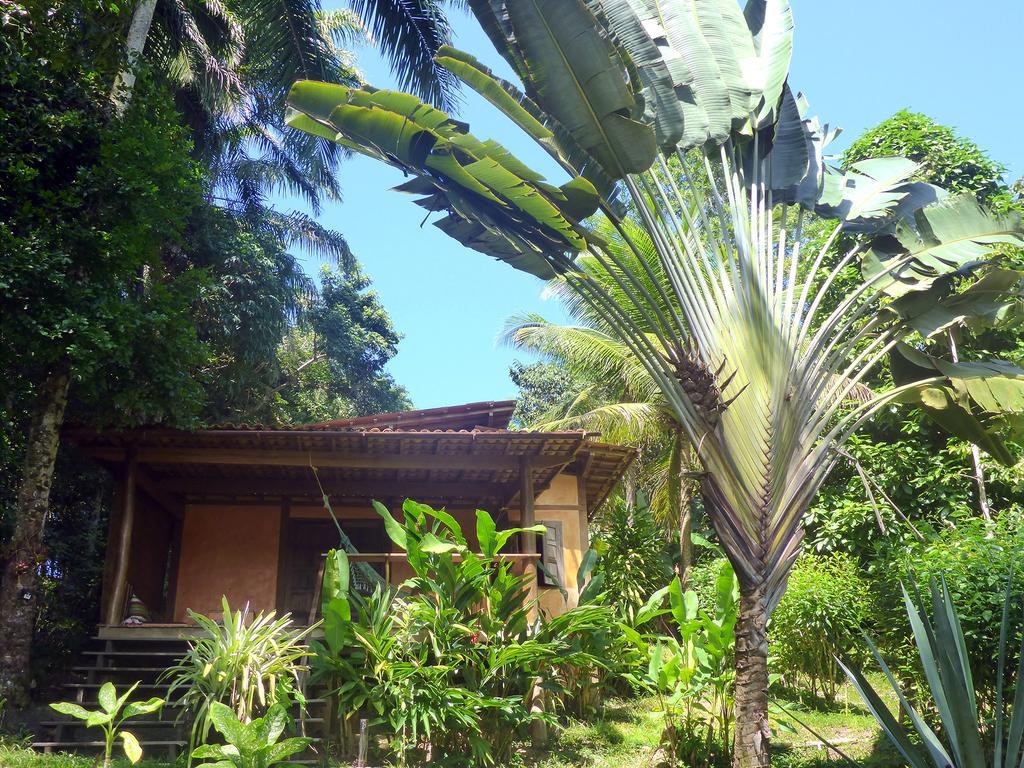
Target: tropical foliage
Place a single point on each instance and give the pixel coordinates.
(453, 664)
(755, 361)
(252, 744)
(146, 278)
(820, 617)
(250, 665)
(692, 673)
(966, 738)
(632, 559)
(113, 712)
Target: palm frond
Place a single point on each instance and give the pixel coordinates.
(410, 32)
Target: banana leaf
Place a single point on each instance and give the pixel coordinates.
(953, 234)
(485, 190)
(975, 401)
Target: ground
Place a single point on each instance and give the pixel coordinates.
(627, 737)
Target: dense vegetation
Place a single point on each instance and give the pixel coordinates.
(145, 279)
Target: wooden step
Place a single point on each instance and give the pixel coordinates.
(171, 654)
(120, 670)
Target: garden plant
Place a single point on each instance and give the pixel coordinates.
(677, 117)
(451, 665)
(969, 737)
(249, 664)
(252, 744)
(110, 717)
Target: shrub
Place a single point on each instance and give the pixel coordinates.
(633, 562)
(820, 615)
(692, 671)
(250, 744)
(449, 665)
(969, 735)
(249, 666)
(974, 560)
(113, 712)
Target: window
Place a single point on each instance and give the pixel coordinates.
(551, 572)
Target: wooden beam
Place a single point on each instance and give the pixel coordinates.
(527, 541)
(266, 457)
(122, 547)
(284, 552)
(113, 534)
(154, 490)
(177, 530)
(584, 517)
(196, 487)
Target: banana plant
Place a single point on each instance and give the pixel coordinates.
(678, 116)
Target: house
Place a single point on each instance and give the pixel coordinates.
(240, 511)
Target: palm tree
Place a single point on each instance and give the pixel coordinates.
(617, 396)
(759, 364)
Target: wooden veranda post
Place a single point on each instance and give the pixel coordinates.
(122, 545)
(527, 516)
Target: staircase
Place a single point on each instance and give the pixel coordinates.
(124, 657)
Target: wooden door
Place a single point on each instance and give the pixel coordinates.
(306, 541)
(305, 544)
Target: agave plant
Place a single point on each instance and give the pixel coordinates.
(940, 644)
(678, 115)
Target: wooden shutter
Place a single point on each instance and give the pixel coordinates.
(552, 559)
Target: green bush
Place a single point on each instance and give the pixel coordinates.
(447, 666)
(692, 670)
(633, 562)
(974, 560)
(819, 617)
(251, 666)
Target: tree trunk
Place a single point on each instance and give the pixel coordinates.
(979, 471)
(138, 32)
(751, 749)
(24, 553)
(685, 537)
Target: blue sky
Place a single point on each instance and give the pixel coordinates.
(858, 63)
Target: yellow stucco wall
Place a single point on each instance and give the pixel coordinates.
(233, 550)
(560, 503)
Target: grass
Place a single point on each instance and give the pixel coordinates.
(628, 735)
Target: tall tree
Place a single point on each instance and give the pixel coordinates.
(86, 203)
(757, 374)
(119, 282)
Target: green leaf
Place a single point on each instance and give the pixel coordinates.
(974, 400)
(228, 726)
(503, 536)
(954, 233)
(486, 533)
(575, 74)
(99, 718)
(991, 301)
(435, 546)
(660, 100)
(72, 709)
(131, 746)
(137, 708)
(395, 530)
(587, 564)
(498, 92)
(286, 748)
(771, 25)
(336, 576)
(108, 698)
